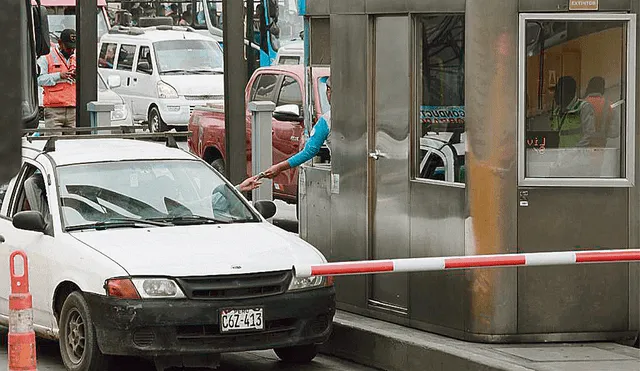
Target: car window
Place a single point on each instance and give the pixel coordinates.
(104, 192)
(290, 92)
(265, 87)
(4, 188)
(32, 195)
(289, 60)
(125, 57)
(107, 55)
(145, 63)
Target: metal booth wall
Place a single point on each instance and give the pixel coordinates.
(392, 191)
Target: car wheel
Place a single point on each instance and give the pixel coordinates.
(156, 125)
(297, 354)
(218, 164)
(78, 343)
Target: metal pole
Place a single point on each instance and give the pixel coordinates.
(235, 80)
(87, 56)
(11, 87)
(250, 52)
(261, 146)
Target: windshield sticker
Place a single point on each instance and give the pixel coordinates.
(442, 115)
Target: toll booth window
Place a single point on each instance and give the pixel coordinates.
(440, 69)
(575, 106)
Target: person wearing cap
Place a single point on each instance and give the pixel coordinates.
(57, 76)
(319, 134)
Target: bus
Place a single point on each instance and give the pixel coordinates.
(62, 14)
(274, 22)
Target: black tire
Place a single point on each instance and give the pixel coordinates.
(218, 164)
(156, 125)
(78, 343)
(297, 354)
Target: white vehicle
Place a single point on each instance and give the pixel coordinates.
(139, 249)
(166, 71)
(121, 114)
(291, 53)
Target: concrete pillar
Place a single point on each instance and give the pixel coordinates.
(261, 146)
(87, 55)
(99, 114)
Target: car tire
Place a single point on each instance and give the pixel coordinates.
(78, 343)
(297, 354)
(156, 125)
(218, 164)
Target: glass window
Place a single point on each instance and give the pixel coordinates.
(59, 20)
(145, 62)
(290, 92)
(107, 55)
(575, 83)
(188, 57)
(289, 60)
(325, 105)
(264, 87)
(441, 130)
(3, 192)
(125, 57)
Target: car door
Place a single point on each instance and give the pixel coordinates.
(124, 67)
(37, 245)
(142, 87)
(287, 135)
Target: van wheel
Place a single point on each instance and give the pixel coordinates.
(78, 343)
(218, 164)
(156, 125)
(297, 354)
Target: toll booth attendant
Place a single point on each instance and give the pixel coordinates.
(574, 118)
(57, 76)
(319, 134)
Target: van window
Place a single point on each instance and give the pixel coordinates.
(145, 63)
(107, 55)
(265, 87)
(125, 57)
(290, 92)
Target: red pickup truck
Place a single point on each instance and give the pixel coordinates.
(281, 84)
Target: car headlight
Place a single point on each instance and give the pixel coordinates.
(166, 91)
(157, 288)
(119, 112)
(301, 283)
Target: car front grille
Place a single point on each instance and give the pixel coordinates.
(238, 286)
(204, 97)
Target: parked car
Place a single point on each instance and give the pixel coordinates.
(166, 71)
(138, 249)
(282, 85)
(291, 53)
(121, 114)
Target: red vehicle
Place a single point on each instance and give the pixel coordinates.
(283, 85)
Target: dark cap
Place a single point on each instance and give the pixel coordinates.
(68, 37)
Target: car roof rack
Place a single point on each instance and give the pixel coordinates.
(136, 31)
(127, 132)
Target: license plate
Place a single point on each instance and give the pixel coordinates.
(241, 319)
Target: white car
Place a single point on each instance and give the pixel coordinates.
(166, 71)
(135, 248)
(291, 53)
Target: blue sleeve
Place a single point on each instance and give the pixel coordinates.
(319, 134)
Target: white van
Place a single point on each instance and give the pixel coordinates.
(291, 53)
(166, 71)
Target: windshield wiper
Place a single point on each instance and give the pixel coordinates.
(117, 223)
(206, 70)
(177, 70)
(191, 219)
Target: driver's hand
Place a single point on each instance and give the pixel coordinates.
(249, 184)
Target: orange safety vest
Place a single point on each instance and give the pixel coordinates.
(603, 113)
(62, 94)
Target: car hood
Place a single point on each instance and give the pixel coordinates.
(196, 84)
(202, 250)
(109, 96)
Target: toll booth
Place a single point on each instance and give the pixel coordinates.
(465, 128)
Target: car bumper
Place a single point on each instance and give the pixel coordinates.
(176, 112)
(180, 327)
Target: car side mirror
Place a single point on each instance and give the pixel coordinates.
(266, 208)
(114, 81)
(29, 221)
(144, 67)
(288, 112)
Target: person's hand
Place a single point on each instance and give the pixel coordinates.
(274, 170)
(249, 184)
(68, 75)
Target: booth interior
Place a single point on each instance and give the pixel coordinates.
(463, 129)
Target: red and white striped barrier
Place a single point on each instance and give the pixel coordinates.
(463, 262)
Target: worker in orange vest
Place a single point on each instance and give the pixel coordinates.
(57, 76)
(602, 109)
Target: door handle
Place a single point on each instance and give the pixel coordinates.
(376, 155)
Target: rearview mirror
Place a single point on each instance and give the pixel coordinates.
(29, 221)
(41, 28)
(533, 32)
(288, 112)
(114, 81)
(266, 208)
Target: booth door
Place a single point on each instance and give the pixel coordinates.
(389, 160)
(576, 168)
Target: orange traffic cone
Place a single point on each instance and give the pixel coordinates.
(22, 339)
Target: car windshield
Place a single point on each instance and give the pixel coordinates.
(167, 192)
(188, 56)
